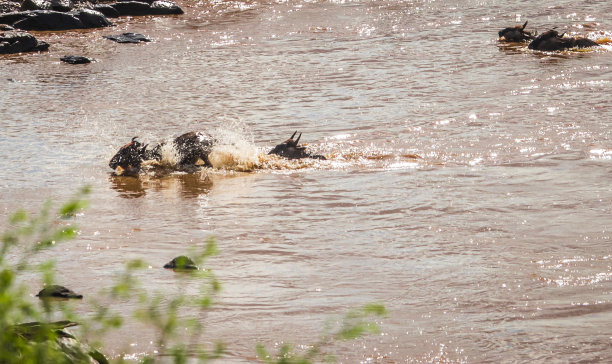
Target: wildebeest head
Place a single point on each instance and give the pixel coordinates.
(515, 34)
(291, 150)
(129, 158)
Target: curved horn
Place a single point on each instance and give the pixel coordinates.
(293, 135)
(524, 25)
(134, 139)
(298, 139)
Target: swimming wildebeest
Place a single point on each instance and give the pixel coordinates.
(192, 149)
(515, 34)
(553, 41)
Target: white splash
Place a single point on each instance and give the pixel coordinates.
(233, 149)
(169, 155)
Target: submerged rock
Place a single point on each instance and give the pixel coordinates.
(57, 291)
(128, 38)
(181, 263)
(75, 59)
(12, 41)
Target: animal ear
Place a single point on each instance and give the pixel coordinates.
(524, 25)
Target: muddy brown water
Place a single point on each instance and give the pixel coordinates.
(467, 186)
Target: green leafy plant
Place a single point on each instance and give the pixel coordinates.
(28, 334)
(355, 323)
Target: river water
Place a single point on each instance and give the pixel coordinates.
(466, 185)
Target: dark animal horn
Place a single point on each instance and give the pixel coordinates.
(524, 25)
(134, 139)
(298, 139)
(293, 135)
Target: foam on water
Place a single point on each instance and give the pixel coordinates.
(234, 149)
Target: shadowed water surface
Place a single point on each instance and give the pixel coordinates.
(466, 186)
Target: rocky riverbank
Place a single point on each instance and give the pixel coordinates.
(16, 18)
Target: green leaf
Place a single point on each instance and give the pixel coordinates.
(375, 309)
(18, 217)
(70, 208)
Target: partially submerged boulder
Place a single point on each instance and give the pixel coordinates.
(181, 263)
(13, 41)
(55, 20)
(163, 7)
(92, 18)
(75, 59)
(128, 38)
(140, 8)
(57, 291)
(107, 10)
(57, 5)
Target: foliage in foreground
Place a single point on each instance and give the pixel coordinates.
(28, 334)
(354, 324)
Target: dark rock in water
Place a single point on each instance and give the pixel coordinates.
(142, 1)
(16, 42)
(139, 8)
(40, 47)
(92, 18)
(181, 263)
(107, 10)
(165, 8)
(75, 59)
(57, 5)
(133, 8)
(57, 291)
(55, 20)
(128, 38)
(48, 20)
(12, 18)
(552, 41)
